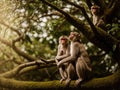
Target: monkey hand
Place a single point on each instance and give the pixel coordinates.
(58, 58)
(59, 64)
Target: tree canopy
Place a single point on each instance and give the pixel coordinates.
(29, 32)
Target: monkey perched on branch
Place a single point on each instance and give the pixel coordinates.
(78, 58)
(97, 16)
(64, 51)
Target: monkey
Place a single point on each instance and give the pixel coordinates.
(63, 52)
(97, 16)
(79, 57)
(63, 48)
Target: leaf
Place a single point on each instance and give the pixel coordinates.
(27, 38)
(114, 47)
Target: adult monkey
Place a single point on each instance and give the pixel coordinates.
(64, 51)
(97, 16)
(79, 57)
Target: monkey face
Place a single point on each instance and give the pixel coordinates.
(63, 41)
(95, 9)
(71, 36)
(74, 36)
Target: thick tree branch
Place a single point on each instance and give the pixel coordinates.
(105, 41)
(110, 82)
(85, 15)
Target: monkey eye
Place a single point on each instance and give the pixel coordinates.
(94, 8)
(63, 39)
(73, 34)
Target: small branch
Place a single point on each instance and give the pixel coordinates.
(20, 68)
(51, 14)
(113, 6)
(12, 28)
(61, 11)
(74, 21)
(21, 53)
(89, 3)
(34, 67)
(111, 11)
(111, 3)
(18, 39)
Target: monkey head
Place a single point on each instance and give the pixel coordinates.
(63, 40)
(95, 9)
(74, 36)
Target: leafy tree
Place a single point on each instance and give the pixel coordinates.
(29, 32)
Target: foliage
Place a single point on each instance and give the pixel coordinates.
(41, 27)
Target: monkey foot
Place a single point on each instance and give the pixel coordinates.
(78, 82)
(67, 82)
(61, 80)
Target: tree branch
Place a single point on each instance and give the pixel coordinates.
(111, 11)
(110, 3)
(21, 53)
(100, 3)
(105, 41)
(85, 15)
(12, 28)
(89, 3)
(110, 82)
(25, 68)
(51, 14)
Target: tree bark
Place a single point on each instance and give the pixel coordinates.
(106, 83)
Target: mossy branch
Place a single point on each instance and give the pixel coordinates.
(26, 67)
(104, 83)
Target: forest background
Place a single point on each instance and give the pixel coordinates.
(29, 32)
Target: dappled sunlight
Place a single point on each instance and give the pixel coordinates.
(29, 41)
(7, 17)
